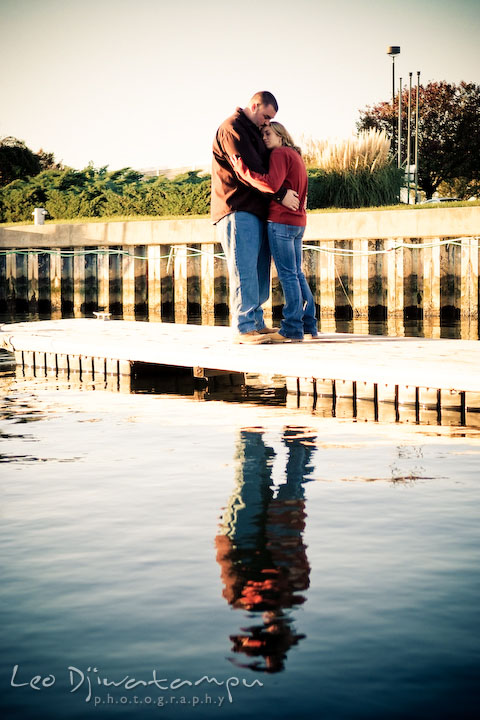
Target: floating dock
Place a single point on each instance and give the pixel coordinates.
(431, 375)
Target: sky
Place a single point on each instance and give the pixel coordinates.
(146, 83)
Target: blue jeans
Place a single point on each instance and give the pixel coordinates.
(244, 241)
(299, 308)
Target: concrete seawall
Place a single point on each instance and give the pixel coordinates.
(353, 225)
(393, 263)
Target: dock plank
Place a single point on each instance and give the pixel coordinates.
(451, 365)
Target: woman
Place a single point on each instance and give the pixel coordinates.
(285, 230)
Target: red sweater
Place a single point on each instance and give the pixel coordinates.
(286, 168)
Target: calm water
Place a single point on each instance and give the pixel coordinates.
(170, 558)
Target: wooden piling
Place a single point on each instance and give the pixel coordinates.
(167, 283)
(115, 285)
(103, 280)
(469, 278)
(277, 297)
(56, 283)
(395, 287)
(22, 282)
(431, 279)
(221, 284)
(91, 283)
(343, 281)
(194, 272)
(11, 280)
(43, 283)
(3, 283)
(78, 283)
(456, 281)
(67, 285)
(128, 285)
(154, 284)
(180, 283)
(376, 285)
(311, 269)
(268, 305)
(394, 277)
(207, 289)
(327, 324)
(327, 282)
(411, 298)
(431, 290)
(360, 278)
(141, 282)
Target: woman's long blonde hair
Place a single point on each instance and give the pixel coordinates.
(283, 133)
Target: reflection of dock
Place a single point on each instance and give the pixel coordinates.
(424, 373)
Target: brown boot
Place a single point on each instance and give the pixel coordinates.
(277, 338)
(267, 331)
(251, 338)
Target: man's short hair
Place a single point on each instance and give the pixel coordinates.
(263, 97)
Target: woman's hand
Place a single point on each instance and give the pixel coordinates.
(291, 201)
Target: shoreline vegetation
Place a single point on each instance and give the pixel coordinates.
(358, 174)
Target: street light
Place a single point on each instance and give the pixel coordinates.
(393, 51)
(417, 105)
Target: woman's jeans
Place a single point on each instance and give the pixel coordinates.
(244, 241)
(299, 309)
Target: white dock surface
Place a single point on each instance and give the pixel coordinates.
(438, 364)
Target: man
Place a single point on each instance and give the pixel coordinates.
(239, 213)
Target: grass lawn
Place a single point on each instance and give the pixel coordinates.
(139, 218)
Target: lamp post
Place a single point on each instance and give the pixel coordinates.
(409, 125)
(416, 133)
(399, 160)
(393, 51)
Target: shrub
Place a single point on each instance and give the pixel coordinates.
(17, 200)
(354, 189)
(68, 194)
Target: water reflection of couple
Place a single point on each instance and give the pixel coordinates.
(251, 154)
(260, 548)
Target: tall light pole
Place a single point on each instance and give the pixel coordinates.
(399, 161)
(393, 51)
(409, 125)
(417, 101)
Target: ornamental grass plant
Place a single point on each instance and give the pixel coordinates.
(352, 173)
(369, 150)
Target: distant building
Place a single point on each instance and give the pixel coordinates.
(171, 173)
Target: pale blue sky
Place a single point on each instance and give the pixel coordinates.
(146, 82)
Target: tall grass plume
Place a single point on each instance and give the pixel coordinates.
(351, 173)
(369, 150)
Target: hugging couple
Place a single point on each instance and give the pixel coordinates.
(259, 196)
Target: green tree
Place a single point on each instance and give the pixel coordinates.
(47, 160)
(17, 161)
(448, 131)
